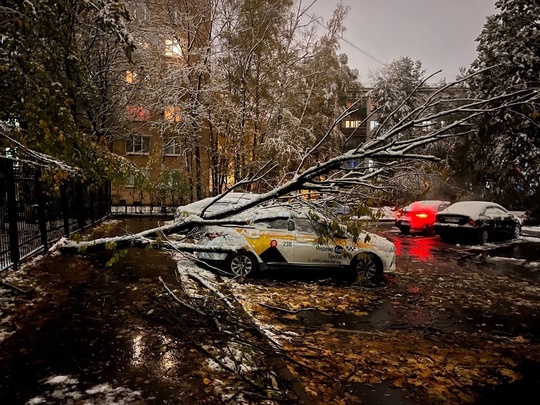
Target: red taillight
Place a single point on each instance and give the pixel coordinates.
(212, 235)
(422, 215)
(470, 221)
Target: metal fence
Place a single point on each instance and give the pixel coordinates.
(143, 210)
(32, 218)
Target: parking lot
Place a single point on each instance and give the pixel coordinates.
(455, 324)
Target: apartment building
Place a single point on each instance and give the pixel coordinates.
(160, 136)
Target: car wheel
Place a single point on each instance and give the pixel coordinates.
(517, 231)
(366, 268)
(405, 231)
(484, 237)
(242, 265)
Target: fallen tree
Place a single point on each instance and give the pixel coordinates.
(390, 148)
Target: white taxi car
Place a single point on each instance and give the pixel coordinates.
(278, 238)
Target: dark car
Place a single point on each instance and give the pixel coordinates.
(476, 221)
(419, 216)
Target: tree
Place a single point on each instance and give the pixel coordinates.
(400, 89)
(56, 76)
(333, 175)
(505, 154)
(394, 90)
(277, 88)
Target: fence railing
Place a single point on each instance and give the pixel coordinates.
(32, 218)
(143, 210)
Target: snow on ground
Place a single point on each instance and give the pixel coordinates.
(531, 230)
(65, 389)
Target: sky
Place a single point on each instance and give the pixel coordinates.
(439, 33)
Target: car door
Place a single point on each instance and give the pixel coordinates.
(272, 241)
(508, 223)
(307, 249)
(496, 220)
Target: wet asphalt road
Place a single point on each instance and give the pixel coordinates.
(88, 322)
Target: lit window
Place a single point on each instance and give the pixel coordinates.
(172, 48)
(172, 113)
(138, 113)
(426, 126)
(131, 77)
(138, 145)
(373, 125)
(171, 146)
(351, 124)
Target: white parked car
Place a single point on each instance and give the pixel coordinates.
(283, 238)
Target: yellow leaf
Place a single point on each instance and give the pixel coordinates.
(513, 376)
(206, 381)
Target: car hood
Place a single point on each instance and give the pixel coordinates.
(379, 241)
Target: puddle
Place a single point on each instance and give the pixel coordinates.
(386, 316)
(418, 247)
(525, 251)
(381, 394)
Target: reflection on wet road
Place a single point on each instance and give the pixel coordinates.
(431, 248)
(420, 247)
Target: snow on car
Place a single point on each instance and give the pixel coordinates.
(479, 221)
(211, 204)
(283, 238)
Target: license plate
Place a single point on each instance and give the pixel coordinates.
(452, 220)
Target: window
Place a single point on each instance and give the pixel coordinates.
(426, 126)
(171, 146)
(172, 48)
(494, 212)
(172, 113)
(304, 225)
(131, 77)
(350, 124)
(131, 179)
(138, 145)
(137, 113)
